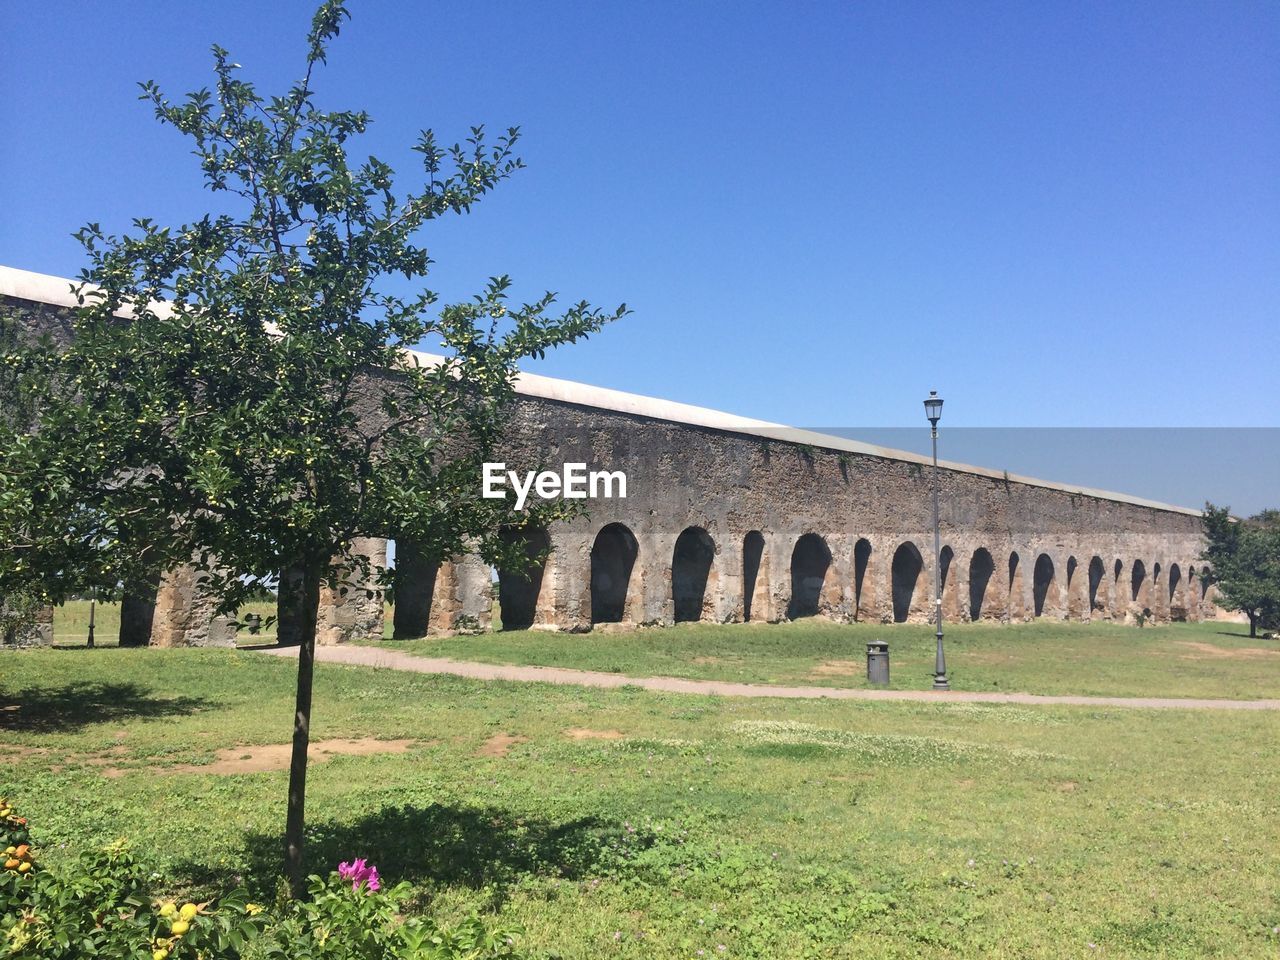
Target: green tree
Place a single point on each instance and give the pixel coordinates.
(238, 392)
(1245, 558)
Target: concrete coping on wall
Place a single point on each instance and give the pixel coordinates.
(57, 291)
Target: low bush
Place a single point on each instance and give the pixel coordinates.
(103, 904)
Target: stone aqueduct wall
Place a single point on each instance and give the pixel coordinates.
(729, 520)
(778, 529)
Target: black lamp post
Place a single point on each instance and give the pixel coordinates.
(93, 602)
(933, 410)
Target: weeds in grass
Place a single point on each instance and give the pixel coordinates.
(880, 747)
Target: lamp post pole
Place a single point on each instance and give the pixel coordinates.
(93, 601)
(933, 410)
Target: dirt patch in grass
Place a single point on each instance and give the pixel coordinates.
(1067, 786)
(582, 733)
(1207, 651)
(275, 756)
(500, 744)
(13, 750)
(707, 660)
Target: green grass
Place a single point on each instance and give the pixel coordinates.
(1211, 659)
(71, 623)
(776, 828)
(1179, 660)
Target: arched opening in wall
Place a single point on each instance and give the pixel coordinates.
(413, 590)
(810, 563)
(907, 565)
(1136, 580)
(752, 552)
(1177, 602)
(690, 568)
(613, 557)
(1042, 582)
(981, 569)
(861, 558)
(520, 587)
(138, 611)
(1097, 570)
(1207, 581)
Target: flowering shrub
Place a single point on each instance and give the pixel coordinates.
(359, 873)
(345, 919)
(99, 905)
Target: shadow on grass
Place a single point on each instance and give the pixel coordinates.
(80, 704)
(481, 848)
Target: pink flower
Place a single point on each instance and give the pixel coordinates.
(360, 872)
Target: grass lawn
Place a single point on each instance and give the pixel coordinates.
(71, 623)
(625, 823)
(1213, 659)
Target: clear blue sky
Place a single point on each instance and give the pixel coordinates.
(1055, 214)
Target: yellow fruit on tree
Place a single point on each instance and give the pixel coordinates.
(179, 927)
(188, 911)
(167, 909)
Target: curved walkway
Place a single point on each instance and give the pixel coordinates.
(396, 660)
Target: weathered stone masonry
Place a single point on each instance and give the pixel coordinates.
(731, 520)
(766, 524)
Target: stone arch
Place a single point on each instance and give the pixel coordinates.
(1118, 590)
(1194, 597)
(981, 573)
(1044, 589)
(520, 603)
(613, 559)
(1016, 607)
(692, 574)
(863, 586)
(755, 587)
(1097, 577)
(908, 564)
(1177, 594)
(1155, 592)
(1138, 583)
(948, 584)
(1075, 590)
(1208, 588)
(810, 566)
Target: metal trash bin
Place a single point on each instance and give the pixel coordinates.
(878, 663)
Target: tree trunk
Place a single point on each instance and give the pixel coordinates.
(1253, 625)
(295, 823)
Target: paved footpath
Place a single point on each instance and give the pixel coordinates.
(397, 660)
